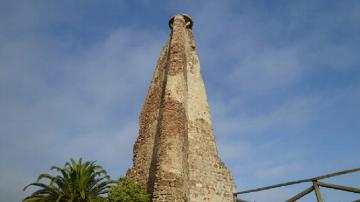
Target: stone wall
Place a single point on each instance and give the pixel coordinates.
(175, 155)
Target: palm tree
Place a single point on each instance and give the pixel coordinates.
(77, 182)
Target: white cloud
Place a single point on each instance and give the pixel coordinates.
(234, 150)
(61, 96)
(278, 171)
(267, 70)
(293, 114)
(111, 149)
(81, 103)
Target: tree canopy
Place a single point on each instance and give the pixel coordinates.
(77, 181)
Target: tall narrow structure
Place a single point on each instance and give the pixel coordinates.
(175, 156)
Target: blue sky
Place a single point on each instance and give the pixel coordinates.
(282, 77)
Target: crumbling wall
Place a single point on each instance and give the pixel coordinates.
(210, 180)
(145, 144)
(175, 155)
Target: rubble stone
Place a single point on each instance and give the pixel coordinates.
(175, 155)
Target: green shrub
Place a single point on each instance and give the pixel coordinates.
(127, 191)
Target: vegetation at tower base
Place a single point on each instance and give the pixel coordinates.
(77, 181)
(127, 190)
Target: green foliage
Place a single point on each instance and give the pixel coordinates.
(127, 191)
(77, 181)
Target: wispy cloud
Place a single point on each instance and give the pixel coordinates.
(289, 115)
(81, 103)
(73, 76)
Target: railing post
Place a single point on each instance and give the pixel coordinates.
(339, 187)
(316, 186)
(300, 195)
(317, 192)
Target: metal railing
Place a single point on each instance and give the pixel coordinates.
(314, 187)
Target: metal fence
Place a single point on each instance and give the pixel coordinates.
(315, 186)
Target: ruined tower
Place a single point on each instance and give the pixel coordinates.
(175, 156)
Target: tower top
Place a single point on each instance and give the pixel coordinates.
(188, 21)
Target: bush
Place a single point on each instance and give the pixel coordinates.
(127, 191)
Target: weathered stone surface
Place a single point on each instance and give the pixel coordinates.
(175, 155)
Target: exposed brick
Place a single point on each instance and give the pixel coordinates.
(175, 155)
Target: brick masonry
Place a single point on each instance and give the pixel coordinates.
(175, 155)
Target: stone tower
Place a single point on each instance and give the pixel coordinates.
(175, 156)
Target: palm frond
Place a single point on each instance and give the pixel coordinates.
(77, 181)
